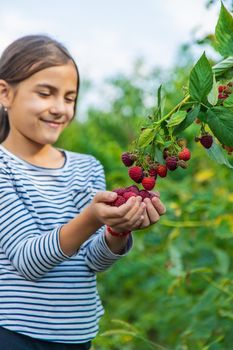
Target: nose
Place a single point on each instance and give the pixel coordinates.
(58, 107)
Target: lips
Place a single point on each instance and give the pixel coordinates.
(52, 123)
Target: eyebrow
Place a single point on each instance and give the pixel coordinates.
(53, 88)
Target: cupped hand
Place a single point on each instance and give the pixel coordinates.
(127, 217)
(152, 212)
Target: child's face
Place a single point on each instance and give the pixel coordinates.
(43, 105)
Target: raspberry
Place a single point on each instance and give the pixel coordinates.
(228, 149)
(119, 191)
(182, 163)
(118, 202)
(144, 194)
(221, 88)
(132, 188)
(222, 96)
(185, 154)
(171, 163)
(165, 153)
(162, 170)
(148, 183)
(129, 194)
(206, 140)
(153, 173)
(136, 174)
(182, 143)
(126, 158)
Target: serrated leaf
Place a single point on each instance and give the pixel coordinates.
(201, 79)
(228, 102)
(176, 118)
(213, 95)
(216, 153)
(191, 116)
(220, 122)
(146, 137)
(224, 33)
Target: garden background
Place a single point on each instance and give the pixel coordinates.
(175, 289)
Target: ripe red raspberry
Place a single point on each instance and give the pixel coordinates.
(222, 96)
(144, 194)
(118, 201)
(136, 174)
(185, 154)
(119, 191)
(132, 188)
(221, 88)
(129, 194)
(148, 183)
(206, 140)
(127, 159)
(162, 170)
(153, 173)
(171, 163)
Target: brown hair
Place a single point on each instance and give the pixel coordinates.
(26, 56)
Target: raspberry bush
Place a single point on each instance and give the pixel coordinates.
(208, 101)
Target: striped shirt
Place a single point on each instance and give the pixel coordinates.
(44, 293)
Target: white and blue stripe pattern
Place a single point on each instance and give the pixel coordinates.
(44, 293)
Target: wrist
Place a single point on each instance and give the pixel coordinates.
(117, 234)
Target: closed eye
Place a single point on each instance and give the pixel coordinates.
(41, 93)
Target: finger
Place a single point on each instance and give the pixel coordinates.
(161, 209)
(145, 222)
(128, 221)
(130, 207)
(105, 196)
(125, 211)
(155, 193)
(151, 211)
(136, 215)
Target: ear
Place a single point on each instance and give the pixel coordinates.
(6, 93)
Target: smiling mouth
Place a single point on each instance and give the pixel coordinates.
(52, 124)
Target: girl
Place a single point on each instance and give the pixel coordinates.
(57, 228)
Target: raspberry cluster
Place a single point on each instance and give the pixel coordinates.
(123, 194)
(224, 91)
(159, 150)
(146, 170)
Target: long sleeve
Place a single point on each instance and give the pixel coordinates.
(31, 253)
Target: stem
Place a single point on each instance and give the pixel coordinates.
(180, 104)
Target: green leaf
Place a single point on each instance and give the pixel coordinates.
(213, 95)
(224, 33)
(228, 102)
(176, 118)
(191, 116)
(223, 66)
(220, 121)
(146, 137)
(201, 79)
(216, 153)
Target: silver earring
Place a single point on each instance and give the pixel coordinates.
(5, 109)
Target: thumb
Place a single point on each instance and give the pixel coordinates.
(105, 196)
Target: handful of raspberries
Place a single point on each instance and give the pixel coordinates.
(123, 194)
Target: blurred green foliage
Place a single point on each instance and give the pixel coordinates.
(175, 289)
